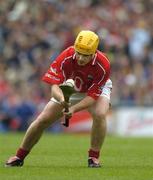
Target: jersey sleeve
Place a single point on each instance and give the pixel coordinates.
(95, 89)
(55, 74)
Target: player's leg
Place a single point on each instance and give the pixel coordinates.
(98, 132)
(50, 114)
(43, 121)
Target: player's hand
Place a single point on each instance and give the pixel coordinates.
(65, 104)
(68, 114)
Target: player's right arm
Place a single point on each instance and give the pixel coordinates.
(56, 76)
(57, 93)
(58, 72)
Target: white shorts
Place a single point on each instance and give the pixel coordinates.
(76, 97)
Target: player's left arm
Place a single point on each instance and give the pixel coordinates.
(100, 79)
(94, 90)
(92, 95)
(83, 104)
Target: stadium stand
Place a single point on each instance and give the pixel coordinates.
(33, 32)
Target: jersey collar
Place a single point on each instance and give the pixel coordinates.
(94, 59)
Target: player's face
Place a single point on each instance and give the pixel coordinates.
(82, 59)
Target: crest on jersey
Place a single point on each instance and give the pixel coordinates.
(90, 77)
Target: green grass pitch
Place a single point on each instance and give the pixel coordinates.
(64, 157)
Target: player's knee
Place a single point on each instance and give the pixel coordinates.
(43, 122)
(100, 116)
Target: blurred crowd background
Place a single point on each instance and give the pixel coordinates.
(34, 32)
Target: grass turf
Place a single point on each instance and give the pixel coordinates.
(64, 157)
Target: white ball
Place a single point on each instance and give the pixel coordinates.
(70, 82)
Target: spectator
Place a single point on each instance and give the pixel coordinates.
(32, 32)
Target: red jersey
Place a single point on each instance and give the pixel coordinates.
(88, 79)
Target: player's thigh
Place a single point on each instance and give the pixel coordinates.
(51, 112)
(100, 107)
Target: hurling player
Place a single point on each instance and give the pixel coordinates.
(90, 70)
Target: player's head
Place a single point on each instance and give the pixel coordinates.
(85, 46)
(86, 42)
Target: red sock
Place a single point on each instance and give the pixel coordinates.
(94, 154)
(22, 153)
